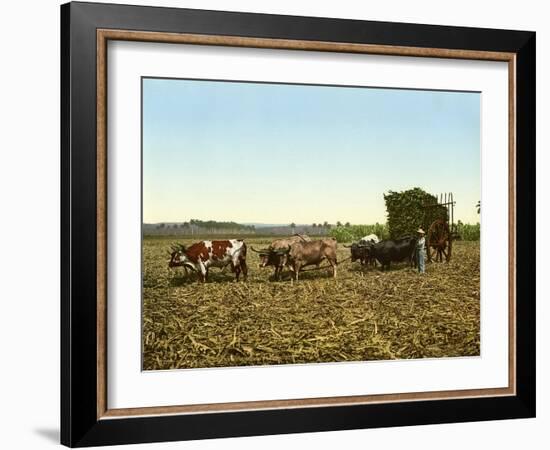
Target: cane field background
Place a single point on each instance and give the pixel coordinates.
(364, 314)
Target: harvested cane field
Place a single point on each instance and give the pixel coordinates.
(363, 314)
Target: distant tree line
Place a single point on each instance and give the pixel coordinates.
(215, 225)
(195, 226)
(342, 232)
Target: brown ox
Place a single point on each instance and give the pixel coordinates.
(302, 254)
(276, 254)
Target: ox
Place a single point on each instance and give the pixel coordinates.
(205, 254)
(360, 251)
(370, 239)
(276, 254)
(396, 250)
(302, 254)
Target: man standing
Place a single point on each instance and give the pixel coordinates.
(421, 251)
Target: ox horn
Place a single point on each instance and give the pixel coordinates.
(283, 251)
(259, 251)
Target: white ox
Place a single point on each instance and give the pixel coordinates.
(371, 238)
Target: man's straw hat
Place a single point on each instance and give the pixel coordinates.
(421, 231)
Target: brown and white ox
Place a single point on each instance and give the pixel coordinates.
(302, 254)
(276, 254)
(205, 254)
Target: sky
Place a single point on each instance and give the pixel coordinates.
(281, 153)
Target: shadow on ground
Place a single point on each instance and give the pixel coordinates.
(49, 434)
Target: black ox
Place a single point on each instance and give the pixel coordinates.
(277, 258)
(394, 250)
(361, 252)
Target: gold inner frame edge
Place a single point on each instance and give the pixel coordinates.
(103, 36)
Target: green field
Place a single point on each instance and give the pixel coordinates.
(363, 314)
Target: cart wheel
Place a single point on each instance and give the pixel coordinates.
(439, 243)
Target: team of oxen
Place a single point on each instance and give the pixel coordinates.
(293, 253)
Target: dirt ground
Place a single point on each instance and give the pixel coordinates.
(363, 314)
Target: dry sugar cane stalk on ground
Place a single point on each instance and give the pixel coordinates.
(362, 315)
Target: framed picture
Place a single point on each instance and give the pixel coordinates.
(277, 224)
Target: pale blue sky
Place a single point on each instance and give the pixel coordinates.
(280, 153)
